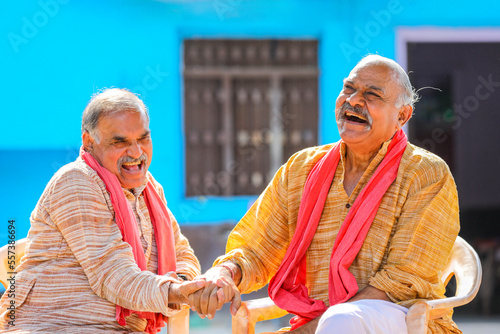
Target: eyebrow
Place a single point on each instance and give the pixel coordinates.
(146, 133)
(376, 88)
(369, 86)
(118, 138)
(121, 138)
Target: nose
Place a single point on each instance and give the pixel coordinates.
(134, 150)
(356, 99)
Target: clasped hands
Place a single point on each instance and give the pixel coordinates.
(207, 293)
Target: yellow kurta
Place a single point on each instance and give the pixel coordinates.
(77, 268)
(404, 252)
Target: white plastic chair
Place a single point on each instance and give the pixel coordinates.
(463, 263)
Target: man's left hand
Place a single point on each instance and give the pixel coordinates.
(178, 293)
(219, 289)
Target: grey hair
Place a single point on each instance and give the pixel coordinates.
(108, 102)
(408, 95)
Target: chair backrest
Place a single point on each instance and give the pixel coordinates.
(10, 258)
(464, 263)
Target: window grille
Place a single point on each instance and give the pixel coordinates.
(248, 106)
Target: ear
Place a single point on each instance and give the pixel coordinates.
(405, 114)
(87, 141)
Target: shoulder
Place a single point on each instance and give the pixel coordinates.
(155, 183)
(421, 158)
(305, 159)
(423, 166)
(74, 177)
(151, 179)
(158, 187)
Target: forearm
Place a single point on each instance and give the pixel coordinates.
(109, 266)
(370, 293)
(152, 292)
(308, 328)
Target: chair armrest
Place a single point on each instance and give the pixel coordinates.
(179, 323)
(17, 252)
(420, 313)
(440, 307)
(253, 311)
(464, 263)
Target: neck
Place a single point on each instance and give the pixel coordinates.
(358, 161)
(355, 166)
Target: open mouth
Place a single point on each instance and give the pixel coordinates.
(355, 118)
(133, 166)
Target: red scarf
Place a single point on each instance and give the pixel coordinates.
(125, 219)
(287, 288)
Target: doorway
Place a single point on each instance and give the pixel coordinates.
(458, 118)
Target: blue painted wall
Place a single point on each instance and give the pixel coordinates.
(55, 54)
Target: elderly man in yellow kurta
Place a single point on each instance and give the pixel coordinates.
(104, 254)
(348, 235)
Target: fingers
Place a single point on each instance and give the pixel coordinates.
(189, 287)
(200, 300)
(208, 300)
(236, 302)
(217, 291)
(226, 293)
(194, 298)
(212, 304)
(221, 299)
(194, 302)
(226, 286)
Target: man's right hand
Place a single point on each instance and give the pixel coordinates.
(179, 291)
(219, 289)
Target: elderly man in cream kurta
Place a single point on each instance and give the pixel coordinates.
(78, 271)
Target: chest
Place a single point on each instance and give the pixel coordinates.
(351, 179)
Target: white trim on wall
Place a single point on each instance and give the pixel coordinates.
(439, 35)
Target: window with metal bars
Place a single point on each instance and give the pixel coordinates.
(248, 106)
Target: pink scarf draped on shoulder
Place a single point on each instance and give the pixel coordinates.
(125, 219)
(287, 288)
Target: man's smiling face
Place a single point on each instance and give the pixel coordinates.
(123, 146)
(366, 110)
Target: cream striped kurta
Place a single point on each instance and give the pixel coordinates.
(77, 268)
(406, 247)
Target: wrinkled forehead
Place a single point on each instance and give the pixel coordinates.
(376, 72)
(375, 75)
(123, 112)
(118, 118)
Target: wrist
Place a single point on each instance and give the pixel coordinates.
(232, 271)
(174, 293)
